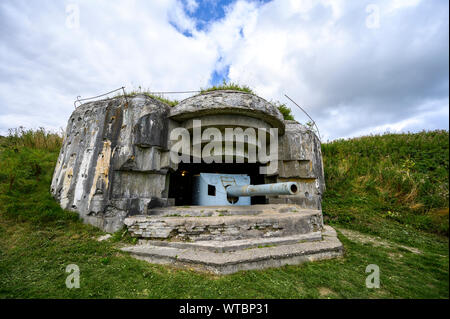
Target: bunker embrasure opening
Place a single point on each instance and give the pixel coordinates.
(205, 184)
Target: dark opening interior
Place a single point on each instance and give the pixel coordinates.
(180, 186)
(211, 190)
(293, 188)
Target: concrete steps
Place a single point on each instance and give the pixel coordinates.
(233, 245)
(226, 239)
(201, 257)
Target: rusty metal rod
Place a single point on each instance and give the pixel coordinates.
(313, 122)
(94, 97)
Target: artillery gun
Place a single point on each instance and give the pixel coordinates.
(234, 189)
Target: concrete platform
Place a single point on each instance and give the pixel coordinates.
(211, 211)
(201, 257)
(265, 221)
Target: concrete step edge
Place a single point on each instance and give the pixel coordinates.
(329, 244)
(233, 245)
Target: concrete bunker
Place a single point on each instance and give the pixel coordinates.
(116, 169)
(115, 160)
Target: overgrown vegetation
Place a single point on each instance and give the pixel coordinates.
(284, 110)
(228, 86)
(389, 185)
(400, 178)
(159, 97)
(32, 139)
(170, 102)
(27, 160)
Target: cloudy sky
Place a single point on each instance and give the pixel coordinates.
(357, 67)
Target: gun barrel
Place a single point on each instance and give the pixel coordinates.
(288, 188)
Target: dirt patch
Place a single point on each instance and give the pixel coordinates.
(374, 240)
(324, 292)
(395, 255)
(300, 290)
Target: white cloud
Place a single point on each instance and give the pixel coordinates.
(434, 116)
(349, 77)
(45, 65)
(353, 80)
(191, 6)
(400, 4)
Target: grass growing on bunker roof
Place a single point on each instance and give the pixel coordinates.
(224, 86)
(284, 110)
(228, 86)
(147, 92)
(38, 239)
(161, 98)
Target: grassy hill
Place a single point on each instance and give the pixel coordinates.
(386, 195)
(400, 178)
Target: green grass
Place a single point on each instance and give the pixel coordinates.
(34, 258)
(375, 182)
(38, 239)
(172, 103)
(27, 161)
(284, 110)
(159, 97)
(228, 86)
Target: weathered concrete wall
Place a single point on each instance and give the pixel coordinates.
(110, 162)
(228, 102)
(300, 160)
(272, 224)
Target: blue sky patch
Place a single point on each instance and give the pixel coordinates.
(207, 11)
(217, 77)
